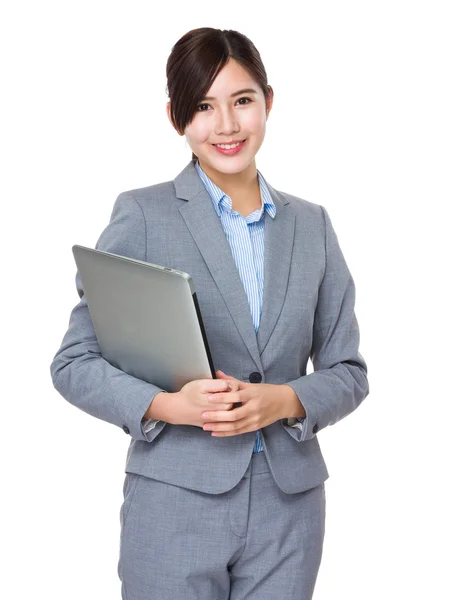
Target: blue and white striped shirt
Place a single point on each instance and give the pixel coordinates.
(246, 240)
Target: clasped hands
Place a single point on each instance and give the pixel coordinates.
(262, 404)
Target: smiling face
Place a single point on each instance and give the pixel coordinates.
(234, 109)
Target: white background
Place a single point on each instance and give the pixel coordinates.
(365, 121)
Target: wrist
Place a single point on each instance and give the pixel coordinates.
(292, 406)
(160, 407)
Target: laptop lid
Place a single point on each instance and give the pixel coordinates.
(146, 318)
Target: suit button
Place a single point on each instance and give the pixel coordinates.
(315, 428)
(255, 377)
(125, 429)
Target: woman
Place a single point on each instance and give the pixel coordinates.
(239, 512)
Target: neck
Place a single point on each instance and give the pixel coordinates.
(233, 183)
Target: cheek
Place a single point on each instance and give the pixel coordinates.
(198, 133)
(255, 122)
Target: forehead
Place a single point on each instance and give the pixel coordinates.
(232, 78)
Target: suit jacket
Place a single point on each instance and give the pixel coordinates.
(308, 312)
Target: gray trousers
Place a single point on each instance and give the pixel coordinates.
(253, 542)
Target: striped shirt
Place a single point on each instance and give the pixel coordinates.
(246, 240)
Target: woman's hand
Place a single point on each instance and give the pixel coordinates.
(187, 405)
(262, 404)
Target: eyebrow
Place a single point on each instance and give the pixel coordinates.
(245, 91)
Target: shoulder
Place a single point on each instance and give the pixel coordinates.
(302, 208)
(154, 201)
(148, 194)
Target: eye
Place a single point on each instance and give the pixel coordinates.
(199, 107)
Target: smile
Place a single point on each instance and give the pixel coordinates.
(229, 149)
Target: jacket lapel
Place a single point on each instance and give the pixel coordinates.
(206, 229)
(278, 248)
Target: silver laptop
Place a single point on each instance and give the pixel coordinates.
(146, 318)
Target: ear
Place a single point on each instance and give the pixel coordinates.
(168, 111)
(269, 101)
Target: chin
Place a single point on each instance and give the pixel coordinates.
(237, 167)
(230, 164)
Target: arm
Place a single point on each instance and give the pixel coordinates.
(339, 382)
(293, 407)
(78, 371)
(157, 412)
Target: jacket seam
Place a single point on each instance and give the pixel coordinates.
(145, 226)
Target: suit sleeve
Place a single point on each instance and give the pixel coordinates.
(339, 382)
(149, 424)
(78, 371)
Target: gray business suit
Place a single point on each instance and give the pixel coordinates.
(308, 311)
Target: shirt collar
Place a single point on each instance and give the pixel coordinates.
(221, 200)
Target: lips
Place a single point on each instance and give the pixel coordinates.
(229, 143)
(230, 151)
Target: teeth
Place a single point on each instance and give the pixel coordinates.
(228, 146)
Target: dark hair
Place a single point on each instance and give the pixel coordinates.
(194, 63)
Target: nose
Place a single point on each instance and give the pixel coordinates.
(226, 122)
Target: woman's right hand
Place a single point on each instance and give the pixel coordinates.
(191, 401)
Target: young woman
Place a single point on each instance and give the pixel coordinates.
(224, 494)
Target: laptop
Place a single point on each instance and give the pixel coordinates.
(146, 318)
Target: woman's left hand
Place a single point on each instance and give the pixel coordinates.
(262, 404)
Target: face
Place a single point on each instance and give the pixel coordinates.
(224, 116)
